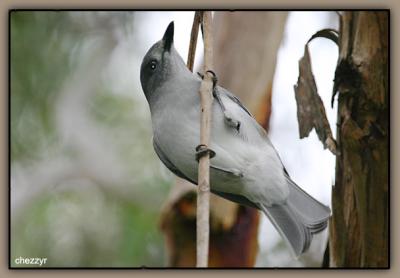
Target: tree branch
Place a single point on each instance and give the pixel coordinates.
(193, 40)
(203, 197)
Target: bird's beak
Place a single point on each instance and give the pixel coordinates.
(168, 37)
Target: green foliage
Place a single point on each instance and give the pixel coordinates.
(81, 216)
(88, 228)
(39, 63)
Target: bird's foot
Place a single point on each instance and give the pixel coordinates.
(202, 150)
(214, 78)
(228, 116)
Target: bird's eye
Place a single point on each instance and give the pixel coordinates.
(153, 65)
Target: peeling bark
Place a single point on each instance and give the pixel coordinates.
(359, 225)
(310, 108)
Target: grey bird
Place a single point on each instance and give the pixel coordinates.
(246, 168)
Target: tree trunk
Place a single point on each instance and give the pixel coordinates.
(245, 49)
(359, 225)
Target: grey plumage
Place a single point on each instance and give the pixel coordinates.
(246, 168)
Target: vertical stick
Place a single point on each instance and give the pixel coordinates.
(193, 40)
(203, 196)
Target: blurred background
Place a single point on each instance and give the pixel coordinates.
(87, 188)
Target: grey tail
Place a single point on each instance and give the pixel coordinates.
(298, 219)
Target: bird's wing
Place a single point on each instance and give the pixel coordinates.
(169, 164)
(248, 122)
(261, 131)
(236, 198)
(229, 196)
(235, 99)
(164, 158)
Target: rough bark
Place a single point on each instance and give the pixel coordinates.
(245, 49)
(359, 224)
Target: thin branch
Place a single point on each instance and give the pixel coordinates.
(203, 196)
(193, 40)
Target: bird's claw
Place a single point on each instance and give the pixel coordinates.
(214, 77)
(229, 118)
(202, 150)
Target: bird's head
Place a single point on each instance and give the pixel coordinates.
(157, 65)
